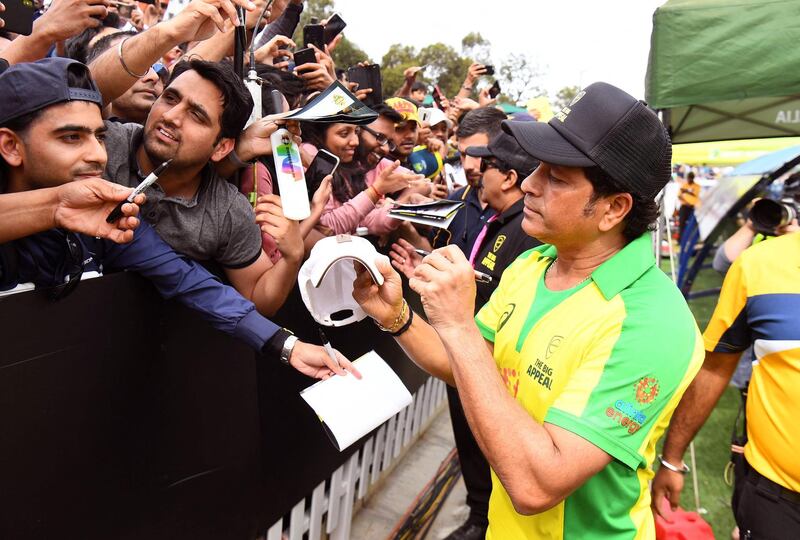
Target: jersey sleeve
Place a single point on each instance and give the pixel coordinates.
(627, 383)
(728, 331)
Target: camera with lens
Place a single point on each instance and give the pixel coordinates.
(767, 215)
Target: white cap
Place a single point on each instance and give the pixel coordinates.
(433, 116)
(326, 278)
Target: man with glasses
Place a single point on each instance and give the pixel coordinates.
(134, 105)
(375, 140)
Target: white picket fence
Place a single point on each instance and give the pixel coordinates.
(332, 509)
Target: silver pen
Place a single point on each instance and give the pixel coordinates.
(480, 277)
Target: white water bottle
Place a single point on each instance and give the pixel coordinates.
(291, 177)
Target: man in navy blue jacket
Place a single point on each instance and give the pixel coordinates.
(51, 133)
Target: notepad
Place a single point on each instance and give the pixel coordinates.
(350, 408)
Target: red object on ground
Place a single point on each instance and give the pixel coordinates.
(685, 525)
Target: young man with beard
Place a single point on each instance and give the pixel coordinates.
(52, 133)
(194, 123)
(405, 131)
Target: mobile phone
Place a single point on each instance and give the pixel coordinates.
(368, 77)
(489, 70)
(437, 95)
(313, 34)
(494, 90)
(333, 27)
(324, 163)
(305, 56)
(18, 16)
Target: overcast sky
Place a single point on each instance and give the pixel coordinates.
(576, 41)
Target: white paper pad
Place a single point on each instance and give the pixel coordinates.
(350, 408)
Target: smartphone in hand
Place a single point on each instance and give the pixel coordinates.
(18, 16)
(333, 28)
(324, 163)
(313, 34)
(494, 90)
(305, 56)
(368, 77)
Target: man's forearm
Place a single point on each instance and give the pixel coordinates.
(274, 286)
(140, 52)
(27, 49)
(738, 242)
(697, 403)
(422, 344)
(27, 213)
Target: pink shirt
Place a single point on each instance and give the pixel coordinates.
(343, 218)
(264, 188)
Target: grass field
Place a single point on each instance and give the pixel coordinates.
(712, 444)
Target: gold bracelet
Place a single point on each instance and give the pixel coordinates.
(398, 322)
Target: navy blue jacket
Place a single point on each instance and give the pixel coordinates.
(45, 260)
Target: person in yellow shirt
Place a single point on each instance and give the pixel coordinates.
(759, 305)
(569, 374)
(689, 196)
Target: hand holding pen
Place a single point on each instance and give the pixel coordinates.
(138, 190)
(405, 258)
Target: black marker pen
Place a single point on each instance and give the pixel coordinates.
(146, 183)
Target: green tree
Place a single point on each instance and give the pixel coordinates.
(396, 60)
(519, 77)
(347, 54)
(475, 47)
(565, 96)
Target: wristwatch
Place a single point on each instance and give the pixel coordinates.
(288, 347)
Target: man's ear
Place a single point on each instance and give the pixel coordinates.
(616, 207)
(223, 148)
(511, 180)
(11, 148)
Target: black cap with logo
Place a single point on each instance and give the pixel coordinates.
(28, 87)
(506, 148)
(606, 127)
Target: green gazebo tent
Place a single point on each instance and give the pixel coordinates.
(726, 69)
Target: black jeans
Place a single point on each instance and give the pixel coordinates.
(474, 467)
(766, 510)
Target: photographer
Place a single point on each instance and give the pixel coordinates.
(758, 307)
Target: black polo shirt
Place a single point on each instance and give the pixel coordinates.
(504, 242)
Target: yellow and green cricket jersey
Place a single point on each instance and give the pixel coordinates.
(607, 360)
(760, 305)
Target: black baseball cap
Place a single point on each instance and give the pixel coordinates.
(506, 148)
(606, 127)
(28, 87)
